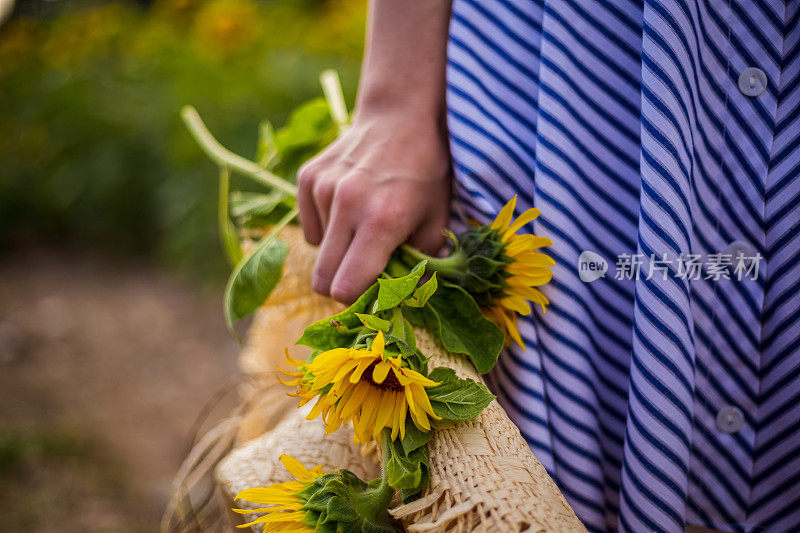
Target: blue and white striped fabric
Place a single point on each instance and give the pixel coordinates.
(665, 400)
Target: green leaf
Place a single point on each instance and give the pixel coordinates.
(460, 399)
(322, 525)
(258, 210)
(307, 124)
(423, 293)
(227, 231)
(415, 437)
(395, 290)
(402, 328)
(371, 501)
(455, 319)
(342, 329)
(406, 471)
(409, 495)
(318, 499)
(309, 129)
(374, 323)
(266, 149)
(340, 510)
(443, 374)
(254, 278)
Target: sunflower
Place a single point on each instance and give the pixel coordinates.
(285, 512)
(364, 386)
(497, 267)
(526, 270)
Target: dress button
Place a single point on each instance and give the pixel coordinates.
(730, 419)
(740, 247)
(752, 81)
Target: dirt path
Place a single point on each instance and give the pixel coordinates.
(103, 368)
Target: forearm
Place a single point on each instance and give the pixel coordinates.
(405, 59)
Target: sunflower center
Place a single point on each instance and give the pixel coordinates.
(390, 383)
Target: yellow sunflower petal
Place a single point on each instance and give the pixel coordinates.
(282, 517)
(370, 408)
(421, 397)
(293, 362)
(345, 369)
(275, 493)
(412, 376)
(385, 411)
(532, 278)
(316, 410)
(332, 422)
(518, 243)
(330, 359)
(344, 399)
(401, 418)
(289, 383)
(527, 216)
(356, 400)
(533, 259)
(540, 299)
(516, 303)
(380, 371)
(363, 364)
(503, 218)
(294, 506)
(529, 293)
(378, 344)
(418, 416)
(511, 328)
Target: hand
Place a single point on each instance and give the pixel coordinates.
(384, 181)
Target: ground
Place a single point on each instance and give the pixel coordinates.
(104, 366)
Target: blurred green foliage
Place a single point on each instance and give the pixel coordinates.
(92, 149)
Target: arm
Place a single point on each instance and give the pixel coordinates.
(386, 180)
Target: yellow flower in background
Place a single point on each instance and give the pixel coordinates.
(285, 512)
(366, 387)
(226, 28)
(528, 269)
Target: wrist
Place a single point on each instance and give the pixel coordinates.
(409, 103)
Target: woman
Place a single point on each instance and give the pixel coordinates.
(660, 140)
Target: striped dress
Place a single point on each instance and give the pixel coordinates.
(663, 138)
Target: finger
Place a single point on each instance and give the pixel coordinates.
(309, 218)
(428, 238)
(322, 196)
(334, 245)
(365, 259)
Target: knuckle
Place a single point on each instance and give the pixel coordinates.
(385, 215)
(323, 189)
(346, 195)
(306, 176)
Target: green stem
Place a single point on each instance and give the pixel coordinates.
(452, 265)
(332, 88)
(373, 502)
(283, 222)
(225, 158)
(386, 455)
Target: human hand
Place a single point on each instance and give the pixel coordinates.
(384, 181)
